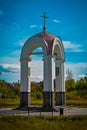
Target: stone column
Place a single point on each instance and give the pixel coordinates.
(48, 83)
(25, 83)
(59, 81)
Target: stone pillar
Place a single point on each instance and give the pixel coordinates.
(48, 83)
(59, 81)
(25, 83)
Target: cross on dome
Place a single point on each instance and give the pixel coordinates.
(44, 17)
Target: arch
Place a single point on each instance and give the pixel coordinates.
(58, 49)
(47, 42)
(31, 44)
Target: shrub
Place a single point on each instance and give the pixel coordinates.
(38, 95)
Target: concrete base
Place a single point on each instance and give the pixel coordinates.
(60, 99)
(24, 99)
(48, 99)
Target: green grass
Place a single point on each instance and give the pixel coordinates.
(43, 123)
(77, 103)
(37, 102)
(9, 102)
(5, 103)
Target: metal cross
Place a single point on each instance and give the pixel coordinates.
(44, 17)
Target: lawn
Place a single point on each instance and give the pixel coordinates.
(5, 103)
(43, 123)
(77, 103)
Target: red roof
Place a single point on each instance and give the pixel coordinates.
(49, 40)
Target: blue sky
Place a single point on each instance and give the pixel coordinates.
(20, 19)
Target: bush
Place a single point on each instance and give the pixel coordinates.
(38, 95)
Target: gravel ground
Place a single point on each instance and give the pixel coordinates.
(66, 111)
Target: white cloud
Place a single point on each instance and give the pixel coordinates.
(81, 65)
(36, 78)
(36, 70)
(72, 47)
(56, 21)
(33, 26)
(1, 13)
(14, 68)
(82, 76)
(77, 68)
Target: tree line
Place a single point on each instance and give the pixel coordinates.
(74, 89)
(9, 90)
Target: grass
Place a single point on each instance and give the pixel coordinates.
(5, 103)
(37, 102)
(77, 103)
(43, 123)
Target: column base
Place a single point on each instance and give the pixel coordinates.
(24, 99)
(48, 99)
(60, 99)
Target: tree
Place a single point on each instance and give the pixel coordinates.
(81, 87)
(3, 88)
(70, 85)
(69, 74)
(17, 90)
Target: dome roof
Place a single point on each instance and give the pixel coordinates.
(48, 39)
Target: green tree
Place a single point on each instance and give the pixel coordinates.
(3, 88)
(38, 95)
(81, 87)
(70, 85)
(17, 90)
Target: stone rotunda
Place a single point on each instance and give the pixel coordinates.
(51, 46)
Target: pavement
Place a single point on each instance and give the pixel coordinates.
(66, 111)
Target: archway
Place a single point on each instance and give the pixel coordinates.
(51, 45)
(58, 52)
(37, 77)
